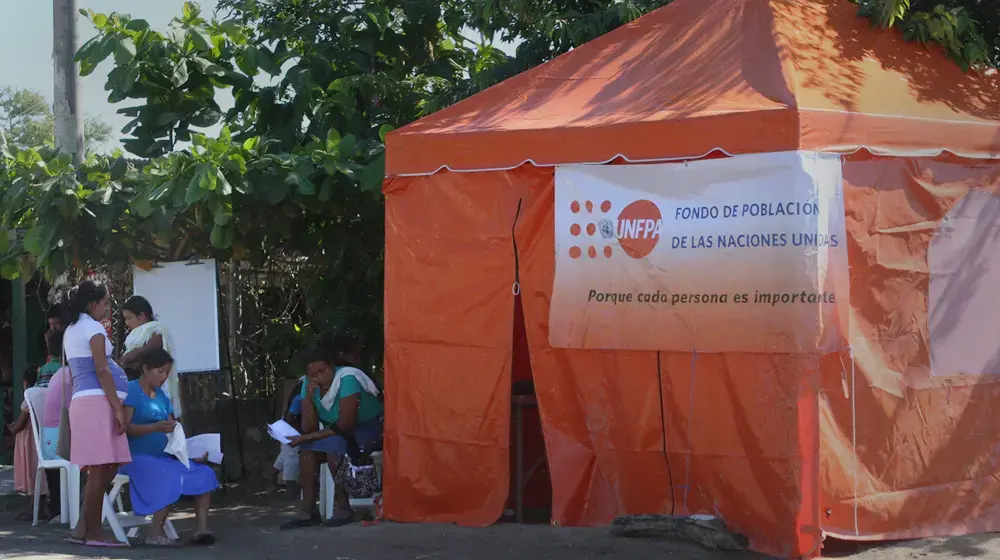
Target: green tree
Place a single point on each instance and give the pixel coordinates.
(969, 30)
(26, 120)
(297, 169)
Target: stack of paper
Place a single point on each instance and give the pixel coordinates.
(282, 431)
(186, 448)
(205, 444)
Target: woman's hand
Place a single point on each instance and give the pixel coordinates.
(201, 460)
(311, 388)
(120, 420)
(166, 426)
(295, 441)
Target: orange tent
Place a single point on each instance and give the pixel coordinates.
(868, 443)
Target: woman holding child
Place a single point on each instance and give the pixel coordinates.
(340, 408)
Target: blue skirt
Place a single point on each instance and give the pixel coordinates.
(156, 482)
(368, 434)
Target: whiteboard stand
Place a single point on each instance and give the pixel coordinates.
(220, 383)
(205, 293)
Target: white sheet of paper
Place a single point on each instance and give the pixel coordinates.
(282, 431)
(177, 445)
(198, 446)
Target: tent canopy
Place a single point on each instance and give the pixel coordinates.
(739, 76)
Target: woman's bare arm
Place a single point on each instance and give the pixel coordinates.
(104, 376)
(21, 423)
(132, 359)
(349, 407)
(310, 418)
(138, 430)
(346, 423)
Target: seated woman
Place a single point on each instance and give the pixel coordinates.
(25, 456)
(340, 405)
(157, 479)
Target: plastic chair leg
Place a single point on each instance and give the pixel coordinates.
(63, 496)
(169, 531)
(327, 491)
(73, 495)
(112, 519)
(39, 474)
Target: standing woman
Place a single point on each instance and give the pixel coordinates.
(96, 418)
(148, 334)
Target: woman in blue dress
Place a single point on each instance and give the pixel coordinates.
(156, 479)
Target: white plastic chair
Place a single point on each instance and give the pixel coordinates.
(119, 520)
(327, 488)
(69, 474)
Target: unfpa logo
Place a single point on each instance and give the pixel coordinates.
(636, 229)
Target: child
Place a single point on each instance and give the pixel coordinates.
(25, 456)
(286, 467)
(53, 346)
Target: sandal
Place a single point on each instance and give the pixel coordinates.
(313, 520)
(105, 544)
(339, 521)
(161, 542)
(203, 539)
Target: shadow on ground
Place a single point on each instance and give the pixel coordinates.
(246, 525)
(967, 546)
(249, 530)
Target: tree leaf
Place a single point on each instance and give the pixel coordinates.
(195, 191)
(200, 39)
(180, 74)
(384, 130)
(124, 51)
(306, 187)
(247, 61)
(221, 238)
(190, 11)
(326, 189)
(347, 145)
(372, 176)
(37, 239)
(206, 117)
(138, 25)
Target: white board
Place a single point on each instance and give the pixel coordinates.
(185, 297)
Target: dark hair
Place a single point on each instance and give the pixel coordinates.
(82, 296)
(138, 305)
(31, 376)
(340, 344)
(156, 357)
(54, 342)
(316, 353)
(58, 311)
(295, 392)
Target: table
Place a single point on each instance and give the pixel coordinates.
(519, 402)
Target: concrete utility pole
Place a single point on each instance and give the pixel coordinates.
(66, 103)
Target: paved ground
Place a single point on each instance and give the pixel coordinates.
(247, 529)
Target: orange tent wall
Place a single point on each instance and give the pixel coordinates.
(765, 441)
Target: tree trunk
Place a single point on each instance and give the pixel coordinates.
(66, 95)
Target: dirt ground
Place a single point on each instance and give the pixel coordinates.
(246, 526)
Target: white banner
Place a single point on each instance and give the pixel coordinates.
(742, 254)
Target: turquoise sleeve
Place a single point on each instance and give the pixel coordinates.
(349, 386)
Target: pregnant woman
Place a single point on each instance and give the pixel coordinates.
(96, 418)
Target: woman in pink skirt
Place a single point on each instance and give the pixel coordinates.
(96, 418)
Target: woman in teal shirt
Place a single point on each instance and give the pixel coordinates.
(339, 403)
